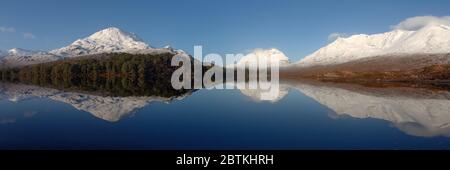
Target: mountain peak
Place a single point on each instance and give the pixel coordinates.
(269, 55)
(111, 29)
(108, 40)
(114, 34)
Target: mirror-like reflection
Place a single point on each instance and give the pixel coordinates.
(109, 108)
(420, 111)
(416, 111)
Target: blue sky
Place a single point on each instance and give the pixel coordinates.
(222, 26)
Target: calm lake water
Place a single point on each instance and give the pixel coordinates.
(303, 115)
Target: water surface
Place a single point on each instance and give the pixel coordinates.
(303, 115)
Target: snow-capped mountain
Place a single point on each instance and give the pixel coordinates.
(109, 40)
(104, 41)
(430, 39)
(269, 55)
(19, 57)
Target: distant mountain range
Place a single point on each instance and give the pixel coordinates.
(395, 54)
(20, 57)
(109, 40)
(112, 40)
(398, 55)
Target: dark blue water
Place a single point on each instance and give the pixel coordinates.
(223, 119)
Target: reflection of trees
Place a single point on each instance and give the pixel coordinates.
(109, 74)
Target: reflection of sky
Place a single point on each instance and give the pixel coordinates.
(208, 119)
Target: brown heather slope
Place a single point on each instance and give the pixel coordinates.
(419, 67)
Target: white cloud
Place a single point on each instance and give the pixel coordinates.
(7, 29)
(415, 23)
(28, 35)
(336, 35)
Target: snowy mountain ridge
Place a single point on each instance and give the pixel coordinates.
(109, 40)
(23, 52)
(431, 39)
(18, 57)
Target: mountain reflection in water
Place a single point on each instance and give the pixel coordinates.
(109, 108)
(416, 111)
